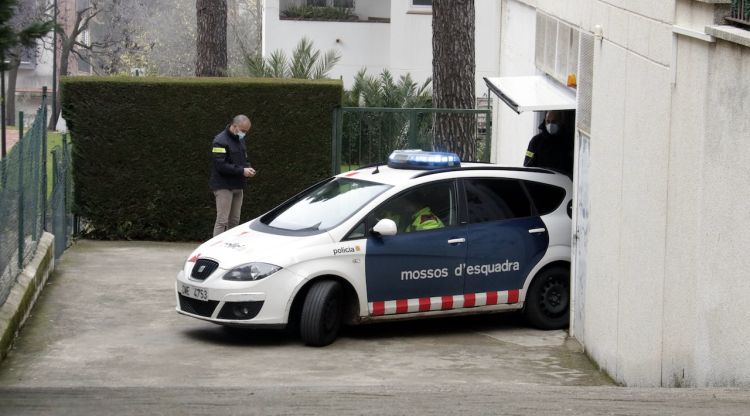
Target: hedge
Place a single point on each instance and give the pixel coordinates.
(142, 148)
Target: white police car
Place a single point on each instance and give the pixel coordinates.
(424, 235)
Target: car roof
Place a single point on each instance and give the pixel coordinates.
(382, 173)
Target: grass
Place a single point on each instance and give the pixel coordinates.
(54, 141)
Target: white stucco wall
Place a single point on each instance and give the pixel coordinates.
(669, 172)
(410, 41)
(512, 131)
(403, 46)
(361, 44)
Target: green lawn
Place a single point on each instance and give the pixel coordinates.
(54, 141)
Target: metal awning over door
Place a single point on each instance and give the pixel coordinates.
(532, 93)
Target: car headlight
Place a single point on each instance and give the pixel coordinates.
(251, 271)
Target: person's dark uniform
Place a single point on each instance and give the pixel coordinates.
(229, 162)
(227, 181)
(551, 151)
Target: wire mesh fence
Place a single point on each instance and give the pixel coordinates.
(29, 202)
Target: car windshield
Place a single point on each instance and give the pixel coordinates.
(326, 206)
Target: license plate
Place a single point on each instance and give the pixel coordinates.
(193, 292)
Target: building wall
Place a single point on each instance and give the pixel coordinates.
(512, 131)
(666, 263)
(360, 44)
(402, 46)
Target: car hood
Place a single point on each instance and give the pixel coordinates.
(242, 245)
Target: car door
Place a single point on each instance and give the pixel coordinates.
(505, 238)
(415, 270)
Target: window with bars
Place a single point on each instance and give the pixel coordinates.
(740, 13)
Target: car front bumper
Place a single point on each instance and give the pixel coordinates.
(255, 303)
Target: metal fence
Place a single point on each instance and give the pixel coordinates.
(365, 135)
(34, 197)
(740, 12)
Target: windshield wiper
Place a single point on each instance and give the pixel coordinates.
(315, 227)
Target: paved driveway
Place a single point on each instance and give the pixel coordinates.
(105, 338)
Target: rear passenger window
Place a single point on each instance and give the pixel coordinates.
(546, 197)
(496, 199)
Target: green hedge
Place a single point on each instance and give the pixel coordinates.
(141, 148)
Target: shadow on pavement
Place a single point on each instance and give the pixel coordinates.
(425, 327)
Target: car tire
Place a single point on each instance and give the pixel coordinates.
(547, 304)
(321, 314)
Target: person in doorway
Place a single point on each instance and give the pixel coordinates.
(230, 170)
(552, 148)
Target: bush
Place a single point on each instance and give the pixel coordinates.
(142, 148)
(324, 13)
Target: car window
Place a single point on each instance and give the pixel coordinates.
(496, 199)
(423, 208)
(546, 197)
(326, 206)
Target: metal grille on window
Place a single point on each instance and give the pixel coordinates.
(585, 82)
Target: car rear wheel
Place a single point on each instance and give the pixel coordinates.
(321, 314)
(547, 304)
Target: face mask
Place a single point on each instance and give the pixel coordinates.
(552, 128)
(241, 135)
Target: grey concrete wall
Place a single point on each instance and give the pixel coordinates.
(722, 350)
(704, 340)
(15, 309)
(667, 267)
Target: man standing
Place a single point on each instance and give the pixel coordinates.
(552, 148)
(229, 172)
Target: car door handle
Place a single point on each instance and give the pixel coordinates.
(537, 230)
(456, 240)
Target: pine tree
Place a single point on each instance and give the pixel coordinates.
(211, 58)
(453, 67)
(11, 37)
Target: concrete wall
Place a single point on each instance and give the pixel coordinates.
(669, 169)
(705, 343)
(25, 291)
(511, 131)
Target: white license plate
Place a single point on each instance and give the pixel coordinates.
(193, 292)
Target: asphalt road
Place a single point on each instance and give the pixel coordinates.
(105, 339)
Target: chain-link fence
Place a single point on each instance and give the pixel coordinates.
(34, 196)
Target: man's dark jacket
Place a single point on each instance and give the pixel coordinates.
(229, 162)
(551, 151)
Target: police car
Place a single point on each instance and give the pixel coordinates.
(423, 235)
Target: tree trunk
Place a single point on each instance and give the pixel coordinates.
(259, 20)
(10, 93)
(211, 57)
(62, 71)
(453, 69)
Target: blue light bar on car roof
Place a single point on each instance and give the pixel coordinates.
(418, 159)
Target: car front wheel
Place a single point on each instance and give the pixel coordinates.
(547, 304)
(321, 314)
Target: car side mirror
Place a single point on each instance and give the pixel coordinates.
(385, 227)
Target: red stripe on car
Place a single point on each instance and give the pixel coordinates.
(470, 299)
(491, 298)
(513, 296)
(447, 302)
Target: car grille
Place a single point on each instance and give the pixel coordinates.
(203, 268)
(198, 307)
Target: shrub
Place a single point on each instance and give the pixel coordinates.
(142, 148)
(325, 13)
